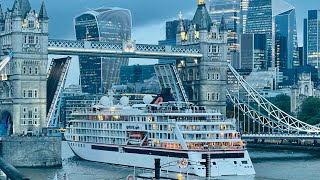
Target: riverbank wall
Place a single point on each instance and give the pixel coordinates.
(23, 151)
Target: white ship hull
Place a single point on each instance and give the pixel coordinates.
(115, 155)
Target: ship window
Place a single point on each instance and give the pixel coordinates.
(244, 162)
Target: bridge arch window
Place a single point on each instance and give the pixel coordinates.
(29, 93)
(190, 74)
(217, 97)
(31, 40)
(24, 70)
(31, 24)
(197, 75)
(214, 35)
(35, 93)
(37, 40)
(36, 70)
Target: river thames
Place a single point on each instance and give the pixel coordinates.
(269, 165)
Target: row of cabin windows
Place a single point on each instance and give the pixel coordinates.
(213, 96)
(30, 70)
(31, 40)
(213, 76)
(30, 93)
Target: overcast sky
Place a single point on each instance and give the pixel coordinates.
(149, 16)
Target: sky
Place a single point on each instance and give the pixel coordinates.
(149, 17)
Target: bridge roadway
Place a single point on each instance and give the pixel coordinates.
(122, 50)
(281, 136)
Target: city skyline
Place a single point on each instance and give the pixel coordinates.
(62, 18)
(148, 28)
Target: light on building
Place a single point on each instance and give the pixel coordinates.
(4, 77)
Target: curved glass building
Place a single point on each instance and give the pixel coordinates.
(97, 74)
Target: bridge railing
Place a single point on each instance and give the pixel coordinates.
(124, 47)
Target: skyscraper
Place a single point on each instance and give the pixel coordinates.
(305, 41)
(286, 40)
(259, 17)
(97, 74)
(253, 50)
(230, 10)
(312, 37)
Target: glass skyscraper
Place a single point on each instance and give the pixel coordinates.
(230, 10)
(312, 32)
(98, 74)
(259, 17)
(286, 41)
(253, 50)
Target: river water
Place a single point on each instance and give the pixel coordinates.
(269, 165)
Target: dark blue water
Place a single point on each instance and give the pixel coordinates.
(269, 165)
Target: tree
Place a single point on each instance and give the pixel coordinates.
(310, 111)
(282, 101)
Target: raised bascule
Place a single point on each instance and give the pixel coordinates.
(200, 75)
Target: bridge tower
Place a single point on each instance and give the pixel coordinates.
(205, 79)
(23, 95)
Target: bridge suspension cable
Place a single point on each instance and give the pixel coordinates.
(5, 61)
(280, 119)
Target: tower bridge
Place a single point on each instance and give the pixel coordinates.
(127, 49)
(201, 63)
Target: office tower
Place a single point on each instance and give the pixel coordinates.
(259, 17)
(312, 25)
(305, 42)
(253, 51)
(286, 42)
(301, 56)
(97, 74)
(230, 10)
(136, 73)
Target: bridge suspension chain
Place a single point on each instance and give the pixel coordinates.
(291, 123)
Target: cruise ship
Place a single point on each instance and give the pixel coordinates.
(185, 137)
